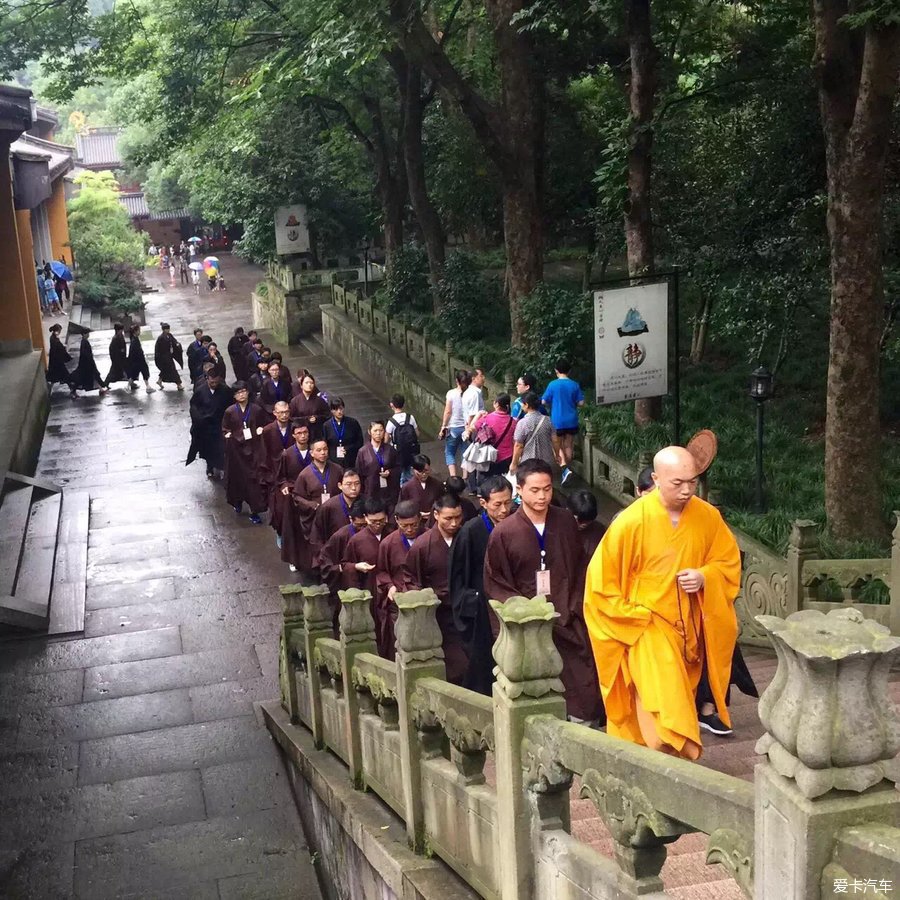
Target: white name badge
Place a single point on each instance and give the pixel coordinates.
(542, 582)
(248, 434)
(325, 496)
(382, 481)
(341, 452)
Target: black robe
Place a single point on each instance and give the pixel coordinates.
(348, 436)
(207, 411)
(238, 356)
(470, 605)
(196, 356)
(86, 377)
(271, 393)
(57, 370)
(166, 353)
(218, 364)
(244, 458)
(136, 366)
(510, 566)
(118, 358)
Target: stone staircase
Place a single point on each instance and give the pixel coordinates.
(83, 317)
(43, 558)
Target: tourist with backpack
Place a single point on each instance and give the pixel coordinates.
(403, 434)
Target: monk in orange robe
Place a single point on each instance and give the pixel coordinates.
(659, 598)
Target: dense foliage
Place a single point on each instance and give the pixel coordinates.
(109, 251)
(634, 136)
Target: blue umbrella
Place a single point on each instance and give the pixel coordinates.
(62, 270)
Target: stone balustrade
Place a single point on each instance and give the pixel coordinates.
(823, 804)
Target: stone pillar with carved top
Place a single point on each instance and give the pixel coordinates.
(832, 737)
(291, 647)
(803, 544)
(528, 684)
(316, 624)
(420, 654)
(357, 636)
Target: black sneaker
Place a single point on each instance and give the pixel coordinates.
(714, 724)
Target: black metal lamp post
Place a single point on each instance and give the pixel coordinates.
(761, 389)
(366, 246)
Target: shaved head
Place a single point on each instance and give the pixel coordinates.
(675, 475)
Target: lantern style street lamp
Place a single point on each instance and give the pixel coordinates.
(366, 246)
(761, 390)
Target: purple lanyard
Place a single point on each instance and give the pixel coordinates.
(321, 478)
(245, 416)
(379, 457)
(286, 438)
(490, 525)
(301, 458)
(541, 539)
(344, 506)
(406, 543)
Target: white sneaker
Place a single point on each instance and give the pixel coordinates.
(292, 567)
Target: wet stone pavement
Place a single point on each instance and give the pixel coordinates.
(132, 762)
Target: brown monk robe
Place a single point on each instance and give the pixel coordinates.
(329, 560)
(423, 488)
(427, 565)
(335, 514)
(315, 485)
(379, 468)
(276, 438)
(516, 564)
(307, 404)
(242, 427)
(290, 464)
(362, 551)
(390, 575)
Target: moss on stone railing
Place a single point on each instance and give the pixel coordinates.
(421, 744)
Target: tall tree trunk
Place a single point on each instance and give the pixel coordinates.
(642, 85)
(858, 75)
(512, 134)
(523, 116)
(390, 180)
(409, 78)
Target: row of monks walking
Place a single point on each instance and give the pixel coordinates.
(646, 626)
(128, 363)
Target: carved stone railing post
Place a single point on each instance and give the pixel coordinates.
(316, 624)
(894, 621)
(291, 631)
(832, 737)
(803, 544)
(419, 655)
(528, 669)
(587, 451)
(357, 636)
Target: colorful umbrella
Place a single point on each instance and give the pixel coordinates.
(196, 267)
(62, 271)
(211, 261)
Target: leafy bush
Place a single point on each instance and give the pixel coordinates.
(558, 322)
(467, 300)
(406, 289)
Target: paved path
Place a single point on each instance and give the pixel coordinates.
(131, 761)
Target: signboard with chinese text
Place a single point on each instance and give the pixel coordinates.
(631, 342)
(291, 231)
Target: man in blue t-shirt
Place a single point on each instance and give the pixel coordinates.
(564, 396)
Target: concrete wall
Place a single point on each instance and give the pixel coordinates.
(289, 315)
(25, 414)
(383, 368)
